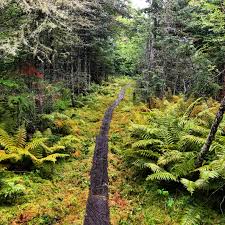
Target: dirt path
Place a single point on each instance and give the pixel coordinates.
(97, 210)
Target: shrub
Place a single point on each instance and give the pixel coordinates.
(59, 123)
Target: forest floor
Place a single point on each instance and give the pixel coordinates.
(62, 199)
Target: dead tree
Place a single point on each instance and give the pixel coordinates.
(212, 134)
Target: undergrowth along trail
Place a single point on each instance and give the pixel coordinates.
(62, 199)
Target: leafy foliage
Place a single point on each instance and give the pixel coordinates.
(17, 149)
(11, 190)
(169, 144)
(193, 216)
(183, 49)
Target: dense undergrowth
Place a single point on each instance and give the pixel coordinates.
(56, 192)
(164, 148)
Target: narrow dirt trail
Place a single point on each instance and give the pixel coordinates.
(97, 209)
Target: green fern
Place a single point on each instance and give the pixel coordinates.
(6, 141)
(197, 130)
(20, 137)
(16, 148)
(191, 107)
(53, 149)
(192, 216)
(147, 154)
(144, 132)
(171, 156)
(190, 185)
(35, 143)
(146, 143)
(191, 143)
(141, 163)
(169, 144)
(206, 175)
(52, 158)
(183, 168)
(155, 168)
(162, 176)
(55, 115)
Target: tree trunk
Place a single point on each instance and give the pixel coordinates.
(212, 134)
(72, 83)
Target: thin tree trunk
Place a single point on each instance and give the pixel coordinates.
(72, 83)
(212, 134)
(86, 70)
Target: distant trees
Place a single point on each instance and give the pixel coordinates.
(130, 42)
(65, 40)
(50, 52)
(183, 52)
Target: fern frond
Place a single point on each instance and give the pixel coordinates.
(146, 143)
(38, 152)
(5, 140)
(197, 130)
(206, 175)
(217, 165)
(67, 140)
(147, 153)
(162, 176)
(168, 137)
(36, 142)
(206, 117)
(204, 168)
(141, 163)
(20, 137)
(53, 158)
(191, 107)
(52, 149)
(190, 185)
(171, 156)
(191, 142)
(218, 148)
(201, 183)
(192, 217)
(54, 116)
(145, 132)
(183, 168)
(6, 157)
(155, 168)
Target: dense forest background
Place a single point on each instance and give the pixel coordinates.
(53, 50)
(58, 58)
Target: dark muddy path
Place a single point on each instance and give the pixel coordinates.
(97, 210)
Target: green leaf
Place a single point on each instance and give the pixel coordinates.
(190, 185)
(162, 176)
